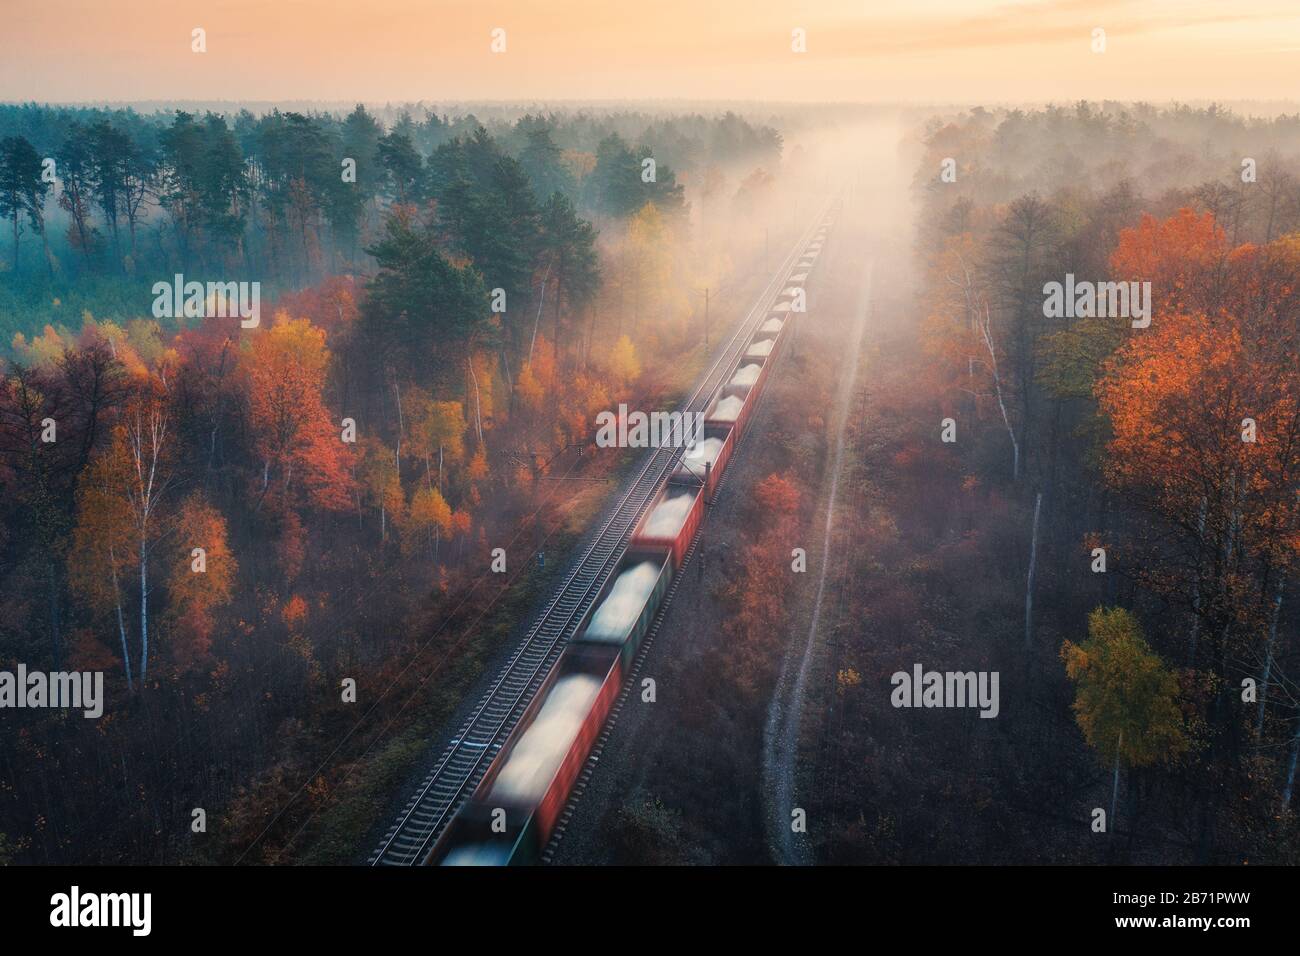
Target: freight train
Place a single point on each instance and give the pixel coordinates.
(512, 812)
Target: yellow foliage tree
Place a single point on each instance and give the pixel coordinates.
(428, 520)
(436, 430)
(381, 482)
(41, 350)
(145, 338)
(623, 365)
(1126, 702)
(537, 377)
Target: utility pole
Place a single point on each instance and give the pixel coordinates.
(706, 319)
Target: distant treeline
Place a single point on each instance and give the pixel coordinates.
(1206, 157)
(97, 205)
(273, 195)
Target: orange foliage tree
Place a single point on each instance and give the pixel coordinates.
(1205, 416)
(200, 578)
(1180, 256)
(294, 432)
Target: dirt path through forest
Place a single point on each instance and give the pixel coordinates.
(781, 734)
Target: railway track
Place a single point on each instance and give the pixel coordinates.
(588, 768)
(469, 754)
(630, 684)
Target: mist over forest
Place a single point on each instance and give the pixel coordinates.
(471, 286)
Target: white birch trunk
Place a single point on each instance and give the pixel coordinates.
(1033, 562)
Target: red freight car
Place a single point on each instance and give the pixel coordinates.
(751, 373)
(764, 348)
(731, 406)
(623, 612)
(475, 838)
(671, 521)
(531, 778)
(714, 451)
(791, 292)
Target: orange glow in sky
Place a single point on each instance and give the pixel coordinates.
(439, 50)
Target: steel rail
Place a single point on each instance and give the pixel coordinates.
(469, 754)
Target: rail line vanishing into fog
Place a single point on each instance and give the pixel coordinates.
(589, 766)
(470, 752)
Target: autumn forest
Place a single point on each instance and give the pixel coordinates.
(438, 332)
(383, 478)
